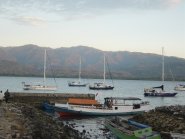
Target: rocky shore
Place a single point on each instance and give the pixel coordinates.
(166, 120)
(22, 121)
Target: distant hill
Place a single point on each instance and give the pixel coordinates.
(28, 60)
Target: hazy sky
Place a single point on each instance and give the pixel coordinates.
(110, 25)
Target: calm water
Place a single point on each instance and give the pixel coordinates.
(123, 88)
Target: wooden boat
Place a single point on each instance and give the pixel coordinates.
(131, 130)
(72, 101)
(111, 106)
(40, 86)
(77, 83)
(159, 91)
(101, 85)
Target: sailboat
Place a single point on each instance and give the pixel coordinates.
(159, 90)
(180, 87)
(101, 85)
(78, 83)
(40, 86)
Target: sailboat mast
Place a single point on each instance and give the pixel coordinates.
(45, 68)
(162, 65)
(104, 70)
(79, 71)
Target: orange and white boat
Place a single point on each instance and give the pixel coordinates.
(112, 106)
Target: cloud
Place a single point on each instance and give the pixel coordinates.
(173, 3)
(33, 21)
(69, 9)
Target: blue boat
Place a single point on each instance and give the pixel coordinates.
(48, 106)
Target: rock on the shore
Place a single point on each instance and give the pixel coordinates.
(24, 121)
(165, 119)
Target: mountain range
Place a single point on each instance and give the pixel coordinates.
(28, 60)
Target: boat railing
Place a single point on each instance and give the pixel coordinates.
(90, 107)
(122, 104)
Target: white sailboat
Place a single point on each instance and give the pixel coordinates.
(78, 83)
(102, 85)
(180, 87)
(40, 86)
(159, 90)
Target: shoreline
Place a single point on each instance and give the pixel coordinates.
(97, 78)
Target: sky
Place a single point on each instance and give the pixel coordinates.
(109, 25)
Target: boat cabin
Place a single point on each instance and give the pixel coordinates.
(122, 101)
(157, 89)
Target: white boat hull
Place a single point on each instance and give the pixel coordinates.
(48, 88)
(77, 84)
(40, 86)
(101, 86)
(101, 111)
(179, 88)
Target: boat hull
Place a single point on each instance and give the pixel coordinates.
(41, 88)
(77, 85)
(179, 88)
(101, 88)
(159, 94)
(73, 113)
(90, 111)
